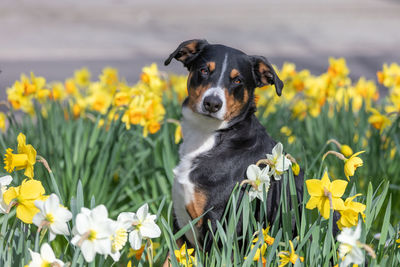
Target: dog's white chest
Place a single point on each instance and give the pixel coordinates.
(199, 137)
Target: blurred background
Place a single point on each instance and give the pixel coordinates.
(53, 38)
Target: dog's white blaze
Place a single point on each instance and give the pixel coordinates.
(223, 70)
(198, 138)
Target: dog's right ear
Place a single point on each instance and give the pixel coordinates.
(187, 51)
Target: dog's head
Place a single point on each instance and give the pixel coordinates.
(221, 79)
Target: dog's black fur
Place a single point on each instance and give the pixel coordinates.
(243, 140)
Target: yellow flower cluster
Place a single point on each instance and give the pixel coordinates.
(326, 196)
(140, 104)
(23, 196)
(307, 94)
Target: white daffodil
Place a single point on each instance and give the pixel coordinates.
(258, 179)
(120, 235)
(279, 162)
(4, 181)
(142, 225)
(45, 258)
(92, 232)
(349, 249)
(52, 216)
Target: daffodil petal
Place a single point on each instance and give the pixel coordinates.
(338, 187)
(338, 203)
(10, 194)
(314, 187)
(26, 212)
(312, 203)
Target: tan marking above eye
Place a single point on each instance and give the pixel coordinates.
(211, 66)
(234, 73)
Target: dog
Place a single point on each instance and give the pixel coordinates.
(221, 134)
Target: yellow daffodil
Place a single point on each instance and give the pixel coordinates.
(184, 256)
(82, 77)
(394, 100)
(18, 98)
(398, 242)
(269, 240)
(179, 85)
(325, 195)
(295, 169)
(289, 256)
(378, 120)
(390, 75)
(299, 110)
(70, 87)
(349, 215)
(122, 99)
(178, 134)
(25, 159)
(152, 78)
(338, 67)
(2, 121)
(57, 92)
(24, 197)
(260, 252)
(109, 76)
(138, 253)
(352, 164)
(288, 132)
(346, 150)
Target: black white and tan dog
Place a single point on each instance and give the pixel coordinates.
(221, 134)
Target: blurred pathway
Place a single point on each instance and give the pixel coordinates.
(53, 38)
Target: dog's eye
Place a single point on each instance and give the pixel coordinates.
(204, 71)
(237, 81)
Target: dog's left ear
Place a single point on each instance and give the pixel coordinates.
(187, 51)
(265, 73)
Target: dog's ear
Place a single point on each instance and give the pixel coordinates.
(187, 51)
(265, 73)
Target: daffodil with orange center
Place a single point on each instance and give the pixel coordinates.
(352, 164)
(25, 159)
(325, 195)
(269, 240)
(260, 252)
(184, 256)
(378, 120)
(289, 256)
(349, 216)
(24, 197)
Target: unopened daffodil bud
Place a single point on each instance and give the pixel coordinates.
(346, 150)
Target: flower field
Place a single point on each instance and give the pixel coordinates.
(87, 172)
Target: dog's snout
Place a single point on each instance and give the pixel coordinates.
(212, 103)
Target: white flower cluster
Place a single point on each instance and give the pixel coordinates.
(94, 233)
(259, 178)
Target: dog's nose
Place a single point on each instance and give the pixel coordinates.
(212, 103)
